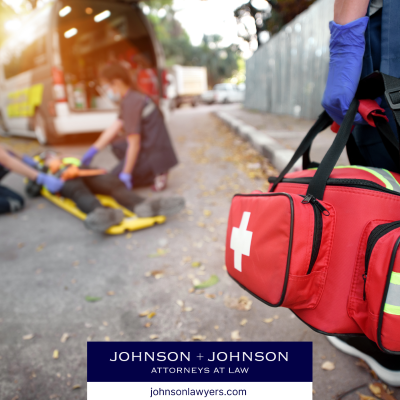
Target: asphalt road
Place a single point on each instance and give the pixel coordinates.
(49, 263)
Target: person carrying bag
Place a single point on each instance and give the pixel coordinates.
(324, 241)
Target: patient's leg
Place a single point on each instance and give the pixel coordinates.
(77, 191)
(110, 185)
(99, 218)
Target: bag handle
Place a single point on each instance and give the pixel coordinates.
(318, 182)
(371, 87)
(323, 121)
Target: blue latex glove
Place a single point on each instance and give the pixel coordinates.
(347, 46)
(29, 161)
(52, 184)
(126, 179)
(88, 156)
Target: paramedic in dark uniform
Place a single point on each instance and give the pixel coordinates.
(9, 161)
(365, 36)
(145, 148)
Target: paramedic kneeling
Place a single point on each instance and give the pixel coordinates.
(364, 37)
(145, 149)
(9, 161)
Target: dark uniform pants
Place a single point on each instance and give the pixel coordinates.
(82, 191)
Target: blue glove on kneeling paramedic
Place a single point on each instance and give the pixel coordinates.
(88, 156)
(52, 184)
(29, 161)
(126, 179)
(347, 46)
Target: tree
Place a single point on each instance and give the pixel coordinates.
(6, 14)
(269, 20)
(221, 62)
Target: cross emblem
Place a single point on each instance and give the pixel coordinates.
(241, 241)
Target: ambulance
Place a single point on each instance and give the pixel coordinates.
(49, 69)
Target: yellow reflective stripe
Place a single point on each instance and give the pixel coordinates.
(22, 103)
(395, 278)
(395, 310)
(388, 185)
(392, 177)
(72, 161)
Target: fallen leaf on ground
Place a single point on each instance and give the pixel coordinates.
(207, 213)
(107, 338)
(153, 337)
(268, 320)
(191, 290)
(128, 235)
(224, 267)
(381, 391)
(243, 303)
(216, 327)
(198, 337)
(21, 245)
(220, 339)
(213, 280)
(235, 335)
(276, 316)
(105, 323)
(364, 397)
(243, 322)
(55, 354)
(187, 309)
(196, 264)
(41, 247)
(210, 296)
(195, 282)
(64, 337)
(157, 274)
(29, 336)
(147, 325)
(180, 303)
(144, 313)
(361, 363)
(110, 293)
(328, 366)
(160, 253)
(92, 299)
(151, 315)
(76, 387)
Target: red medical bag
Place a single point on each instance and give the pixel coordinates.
(324, 241)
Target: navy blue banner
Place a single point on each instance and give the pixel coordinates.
(199, 362)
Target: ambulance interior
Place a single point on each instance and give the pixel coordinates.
(92, 35)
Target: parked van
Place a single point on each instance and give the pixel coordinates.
(49, 70)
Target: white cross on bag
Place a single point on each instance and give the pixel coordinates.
(241, 241)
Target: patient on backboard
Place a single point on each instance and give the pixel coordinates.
(82, 184)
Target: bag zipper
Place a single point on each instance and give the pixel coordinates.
(374, 236)
(319, 209)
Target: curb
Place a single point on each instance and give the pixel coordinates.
(278, 155)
